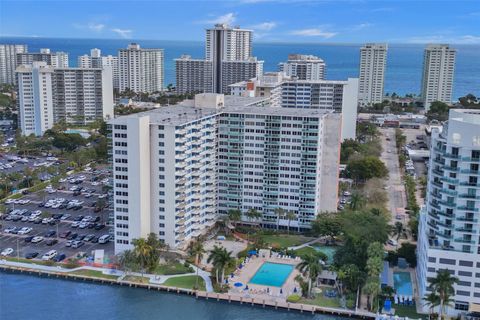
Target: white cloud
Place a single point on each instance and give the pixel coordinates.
(228, 18)
(314, 32)
(97, 27)
(264, 26)
(124, 33)
(464, 39)
(362, 26)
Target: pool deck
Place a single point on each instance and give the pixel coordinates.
(260, 291)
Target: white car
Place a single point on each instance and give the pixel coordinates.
(10, 229)
(6, 252)
(392, 242)
(49, 255)
(83, 225)
(65, 216)
(346, 193)
(37, 239)
(62, 180)
(25, 230)
(9, 201)
(51, 190)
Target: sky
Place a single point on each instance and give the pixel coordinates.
(322, 21)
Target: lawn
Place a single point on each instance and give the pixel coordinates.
(408, 311)
(137, 279)
(186, 282)
(305, 251)
(173, 268)
(31, 261)
(322, 301)
(94, 273)
(284, 240)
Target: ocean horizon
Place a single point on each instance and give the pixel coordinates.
(403, 72)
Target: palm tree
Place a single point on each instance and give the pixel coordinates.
(311, 266)
(253, 214)
(143, 251)
(234, 215)
(220, 258)
(357, 201)
(280, 212)
(397, 229)
(128, 261)
(195, 249)
(290, 216)
(372, 288)
(442, 285)
(432, 300)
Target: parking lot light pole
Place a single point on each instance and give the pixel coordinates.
(18, 253)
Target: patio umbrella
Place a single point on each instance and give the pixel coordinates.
(295, 290)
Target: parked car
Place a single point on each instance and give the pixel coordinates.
(49, 255)
(37, 239)
(31, 255)
(77, 244)
(51, 242)
(50, 234)
(392, 242)
(59, 257)
(29, 239)
(72, 236)
(65, 234)
(6, 252)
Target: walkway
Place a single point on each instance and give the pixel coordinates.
(154, 279)
(306, 244)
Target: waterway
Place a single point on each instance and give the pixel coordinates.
(25, 297)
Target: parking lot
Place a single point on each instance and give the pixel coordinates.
(58, 212)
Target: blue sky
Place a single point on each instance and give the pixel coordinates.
(346, 21)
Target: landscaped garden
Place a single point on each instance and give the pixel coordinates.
(186, 282)
(94, 273)
(173, 267)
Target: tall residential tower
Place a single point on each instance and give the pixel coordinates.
(8, 61)
(373, 59)
(304, 67)
(438, 71)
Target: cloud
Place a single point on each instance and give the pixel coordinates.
(228, 18)
(97, 27)
(385, 9)
(463, 39)
(264, 26)
(124, 33)
(314, 32)
(362, 26)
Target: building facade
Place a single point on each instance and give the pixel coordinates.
(373, 60)
(96, 60)
(56, 60)
(304, 67)
(193, 75)
(438, 72)
(35, 98)
(140, 70)
(8, 61)
(448, 236)
(75, 95)
(177, 168)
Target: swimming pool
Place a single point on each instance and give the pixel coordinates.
(272, 274)
(328, 250)
(403, 283)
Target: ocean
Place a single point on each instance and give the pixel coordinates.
(404, 61)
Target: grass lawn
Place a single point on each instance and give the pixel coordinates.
(322, 301)
(408, 311)
(186, 282)
(305, 251)
(137, 279)
(284, 240)
(172, 268)
(31, 261)
(94, 273)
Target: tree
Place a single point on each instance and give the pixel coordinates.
(327, 225)
(220, 258)
(432, 300)
(253, 214)
(408, 251)
(375, 259)
(128, 261)
(280, 213)
(397, 229)
(367, 130)
(356, 202)
(196, 250)
(438, 111)
(157, 247)
(366, 168)
(372, 289)
(442, 285)
(234, 215)
(142, 250)
(469, 101)
(290, 215)
(310, 266)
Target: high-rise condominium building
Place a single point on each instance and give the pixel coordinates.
(438, 72)
(47, 95)
(327, 95)
(96, 60)
(227, 60)
(373, 60)
(304, 67)
(8, 61)
(177, 168)
(56, 60)
(140, 70)
(448, 236)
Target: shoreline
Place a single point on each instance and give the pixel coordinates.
(224, 297)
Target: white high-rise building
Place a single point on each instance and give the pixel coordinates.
(75, 95)
(8, 61)
(448, 235)
(304, 67)
(96, 60)
(140, 70)
(35, 98)
(227, 60)
(56, 60)
(373, 60)
(177, 168)
(327, 95)
(438, 72)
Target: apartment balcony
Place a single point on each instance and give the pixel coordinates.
(437, 184)
(451, 156)
(470, 159)
(468, 171)
(466, 219)
(469, 196)
(180, 229)
(447, 204)
(434, 205)
(180, 214)
(449, 192)
(438, 172)
(465, 208)
(453, 169)
(468, 184)
(449, 180)
(444, 214)
(443, 235)
(461, 240)
(439, 161)
(433, 225)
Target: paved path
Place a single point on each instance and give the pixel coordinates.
(154, 279)
(306, 244)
